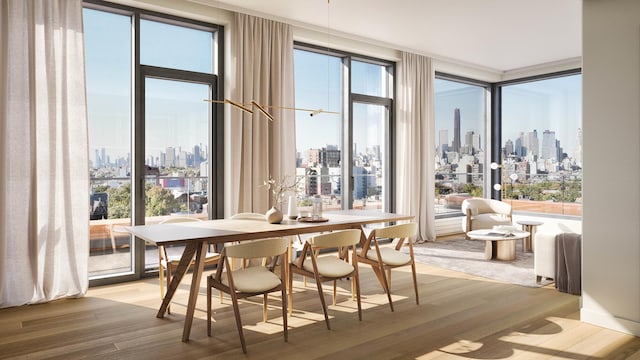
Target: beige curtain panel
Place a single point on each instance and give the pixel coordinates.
(44, 170)
(415, 153)
(258, 148)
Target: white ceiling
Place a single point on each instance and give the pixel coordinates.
(497, 35)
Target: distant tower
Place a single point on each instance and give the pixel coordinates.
(577, 152)
(476, 143)
(532, 144)
(508, 148)
(456, 130)
(443, 141)
(98, 163)
(549, 146)
(520, 147)
(171, 157)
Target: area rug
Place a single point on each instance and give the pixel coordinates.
(467, 256)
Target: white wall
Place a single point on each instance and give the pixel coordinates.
(611, 123)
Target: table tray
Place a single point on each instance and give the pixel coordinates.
(312, 220)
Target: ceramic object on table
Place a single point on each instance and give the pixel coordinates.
(274, 215)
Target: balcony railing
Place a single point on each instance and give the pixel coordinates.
(541, 193)
(110, 206)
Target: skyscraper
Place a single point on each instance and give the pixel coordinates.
(577, 152)
(171, 157)
(549, 149)
(443, 142)
(508, 148)
(456, 130)
(532, 144)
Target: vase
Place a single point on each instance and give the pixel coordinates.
(274, 215)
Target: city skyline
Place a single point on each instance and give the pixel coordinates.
(548, 104)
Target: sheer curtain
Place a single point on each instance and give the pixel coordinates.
(262, 53)
(415, 138)
(44, 182)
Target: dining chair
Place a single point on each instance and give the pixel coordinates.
(248, 216)
(383, 259)
(330, 267)
(168, 263)
(246, 262)
(246, 282)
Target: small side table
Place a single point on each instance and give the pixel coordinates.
(497, 245)
(530, 227)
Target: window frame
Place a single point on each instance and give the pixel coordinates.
(348, 99)
(496, 126)
(216, 120)
(493, 126)
(487, 126)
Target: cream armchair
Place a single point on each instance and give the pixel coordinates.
(485, 214)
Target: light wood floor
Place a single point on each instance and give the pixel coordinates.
(459, 317)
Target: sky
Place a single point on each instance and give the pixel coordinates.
(553, 104)
(319, 86)
(172, 106)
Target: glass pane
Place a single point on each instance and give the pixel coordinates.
(542, 145)
(369, 165)
(460, 146)
(175, 47)
(108, 72)
(318, 137)
(368, 79)
(176, 141)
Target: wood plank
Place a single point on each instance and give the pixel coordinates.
(459, 316)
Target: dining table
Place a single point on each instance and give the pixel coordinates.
(197, 236)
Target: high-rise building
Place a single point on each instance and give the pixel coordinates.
(197, 156)
(456, 130)
(549, 149)
(508, 147)
(475, 142)
(520, 148)
(330, 157)
(471, 142)
(325, 157)
(98, 164)
(170, 160)
(443, 142)
(314, 157)
(577, 152)
(532, 144)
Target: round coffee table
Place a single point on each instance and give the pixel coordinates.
(498, 245)
(530, 227)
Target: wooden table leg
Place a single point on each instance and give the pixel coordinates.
(527, 243)
(183, 266)
(201, 252)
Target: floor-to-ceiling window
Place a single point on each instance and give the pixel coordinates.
(371, 128)
(461, 144)
(109, 74)
(152, 137)
(343, 129)
(541, 149)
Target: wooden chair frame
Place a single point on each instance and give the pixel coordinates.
(273, 247)
(344, 241)
(403, 232)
